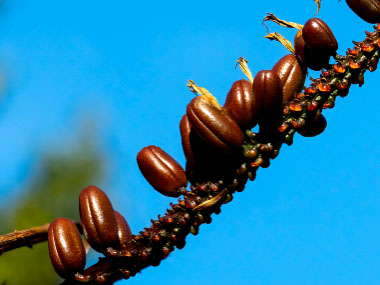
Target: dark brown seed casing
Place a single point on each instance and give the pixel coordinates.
(312, 129)
(200, 156)
(368, 10)
(161, 170)
(241, 104)
(187, 144)
(66, 248)
(292, 74)
(124, 231)
(314, 59)
(214, 125)
(318, 36)
(98, 219)
(268, 86)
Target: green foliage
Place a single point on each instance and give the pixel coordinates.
(51, 193)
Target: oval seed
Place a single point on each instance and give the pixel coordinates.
(314, 59)
(292, 75)
(200, 155)
(214, 125)
(267, 85)
(368, 10)
(318, 36)
(161, 170)
(241, 104)
(312, 129)
(98, 219)
(124, 231)
(66, 248)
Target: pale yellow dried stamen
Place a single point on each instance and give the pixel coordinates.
(211, 202)
(244, 67)
(205, 93)
(318, 5)
(278, 37)
(287, 24)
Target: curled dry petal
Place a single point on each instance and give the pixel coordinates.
(368, 10)
(292, 74)
(214, 125)
(66, 248)
(98, 219)
(161, 170)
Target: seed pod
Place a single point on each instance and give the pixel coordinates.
(214, 125)
(189, 140)
(318, 36)
(241, 104)
(200, 156)
(368, 10)
(314, 60)
(66, 248)
(292, 74)
(312, 129)
(161, 170)
(267, 85)
(124, 231)
(98, 219)
(314, 44)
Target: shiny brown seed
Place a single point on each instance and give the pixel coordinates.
(267, 85)
(200, 155)
(368, 10)
(318, 36)
(241, 104)
(214, 125)
(313, 59)
(312, 129)
(161, 170)
(292, 74)
(192, 144)
(124, 231)
(66, 248)
(98, 219)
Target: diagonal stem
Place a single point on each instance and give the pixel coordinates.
(155, 243)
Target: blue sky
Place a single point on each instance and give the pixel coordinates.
(311, 218)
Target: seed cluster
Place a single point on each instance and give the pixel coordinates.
(222, 153)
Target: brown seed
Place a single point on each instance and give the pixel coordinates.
(66, 248)
(292, 74)
(200, 155)
(312, 129)
(241, 104)
(214, 125)
(318, 36)
(194, 148)
(267, 85)
(368, 10)
(315, 59)
(124, 231)
(98, 219)
(161, 170)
